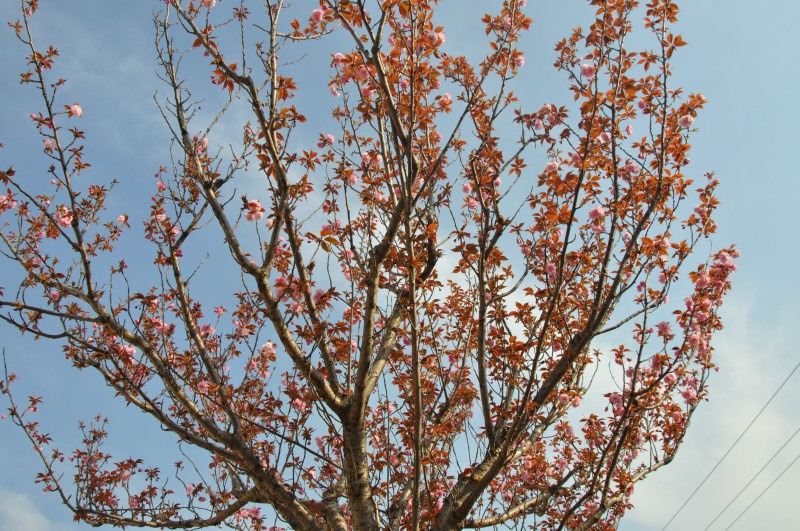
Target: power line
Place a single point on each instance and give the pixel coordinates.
(752, 479)
(763, 491)
(739, 438)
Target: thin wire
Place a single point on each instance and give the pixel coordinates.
(763, 491)
(753, 479)
(739, 438)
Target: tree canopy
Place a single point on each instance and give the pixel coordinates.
(448, 310)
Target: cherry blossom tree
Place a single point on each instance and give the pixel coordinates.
(422, 304)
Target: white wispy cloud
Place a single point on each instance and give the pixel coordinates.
(19, 513)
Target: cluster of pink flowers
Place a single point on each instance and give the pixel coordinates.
(352, 316)
(435, 38)
(665, 330)
(686, 121)
(63, 216)
(75, 110)
(327, 140)
(617, 405)
(564, 399)
(551, 271)
(588, 71)
(597, 213)
(200, 146)
(251, 512)
(317, 15)
(208, 4)
(604, 137)
(268, 349)
(372, 160)
(7, 203)
(49, 145)
(254, 210)
(690, 395)
(367, 91)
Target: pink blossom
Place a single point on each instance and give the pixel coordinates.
(576, 402)
(670, 378)
(686, 121)
(538, 125)
(597, 213)
(208, 4)
(550, 269)
(352, 179)
(268, 349)
(319, 295)
(254, 210)
(467, 188)
(446, 99)
(219, 310)
(472, 202)
(665, 330)
(334, 91)
(497, 182)
(629, 129)
(617, 403)
(604, 137)
(563, 399)
(588, 71)
(522, 3)
(6, 203)
(63, 216)
(317, 15)
(551, 166)
(641, 104)
(435, 38)
(367, 91)
(75, 110)
(298, 404)
(49, 145)
(632, 168)
(519, 60)
(690, 395)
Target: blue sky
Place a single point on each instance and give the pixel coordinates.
(742, 55)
